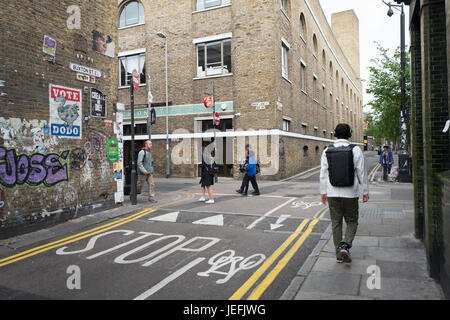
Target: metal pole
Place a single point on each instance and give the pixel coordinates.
(149, 124)
(214, 128)
(133, 196)
(403, 85)
(167, 117)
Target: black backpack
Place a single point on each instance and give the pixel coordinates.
(341, 168)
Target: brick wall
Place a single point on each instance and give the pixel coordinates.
(80, 175)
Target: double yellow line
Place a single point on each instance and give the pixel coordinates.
(73, 238)
(373, 172)
(261, 288)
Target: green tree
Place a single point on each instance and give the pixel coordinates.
(385, 86)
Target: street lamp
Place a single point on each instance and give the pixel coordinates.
(403, 154)
(162, 35)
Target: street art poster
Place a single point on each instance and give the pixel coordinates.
(49, 46)
(103, 44)
(117, 166)
(98, 103)
(112, 150)
(65, 111)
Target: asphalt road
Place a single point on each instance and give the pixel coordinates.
(238, 248)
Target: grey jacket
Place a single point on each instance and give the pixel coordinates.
(145, 165)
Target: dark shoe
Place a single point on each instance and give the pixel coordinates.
(255, 193)
(239, 191)
(344, 250)
(152, 200)
(339, 259)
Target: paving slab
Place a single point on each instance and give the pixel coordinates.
(397, 254)
(334, 283)
(304, 295)
(327, 264)
(396, 242)
(402, 289)
(402, 270)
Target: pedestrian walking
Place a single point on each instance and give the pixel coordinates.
(145, 170)
(342, 172)
(386, 160)
(250, 167)
(207, 177)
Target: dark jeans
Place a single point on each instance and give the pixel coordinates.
(245, 183)
(343, 209)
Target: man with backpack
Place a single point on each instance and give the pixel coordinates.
(342, 171)
(145, 170)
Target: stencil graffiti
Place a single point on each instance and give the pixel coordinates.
(34, 170)
(78, 158)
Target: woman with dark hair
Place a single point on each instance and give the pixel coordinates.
(207, 177)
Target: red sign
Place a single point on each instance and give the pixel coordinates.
(207, 101)
(216, 119)
(70, 95)
(135, 80)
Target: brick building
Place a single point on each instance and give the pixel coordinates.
(58, 75)
(283, 79)
(430, 92)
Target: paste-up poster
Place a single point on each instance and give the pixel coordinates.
(65, 111)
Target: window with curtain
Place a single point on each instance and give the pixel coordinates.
(214, 58)
(205, 4)
(126, 66)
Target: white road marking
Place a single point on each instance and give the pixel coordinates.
(212, 221)
(169, 217)
(279, 222)
(269, 213)
(168, 280)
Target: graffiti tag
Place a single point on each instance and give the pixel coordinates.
(34, 170)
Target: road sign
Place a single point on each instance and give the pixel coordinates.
(207, 101)
(135, 80)
(216, 119)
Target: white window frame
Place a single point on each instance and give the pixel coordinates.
(139, 23)
(131, 53)
(287, 124)
(303, 76)
(223, 3)
(285, 47)
(315, 88)
(204, 41)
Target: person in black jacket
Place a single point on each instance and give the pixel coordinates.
(207, 178)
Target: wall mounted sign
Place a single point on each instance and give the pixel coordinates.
(49, 46)
(112, 150)
(98, 103)
(85, 78)
(65, 111)
(86, 70)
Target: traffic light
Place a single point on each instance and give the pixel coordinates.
(152, 116)
(365, 143)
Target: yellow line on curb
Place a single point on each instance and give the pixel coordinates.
(123, 221)
(73, 236)
(256, 294)
(258, 273)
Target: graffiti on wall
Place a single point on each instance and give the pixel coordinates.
(34, 170)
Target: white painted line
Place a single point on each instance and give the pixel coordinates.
(169, 217)
(301, 173)
(211, 221)
(269, 213)
(240, 196)
(168, 280)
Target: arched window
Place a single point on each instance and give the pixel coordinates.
(331, 69)
(132, 13)
(315, 48)
(324, 59)
(302, 26)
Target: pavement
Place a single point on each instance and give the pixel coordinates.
(389, 263)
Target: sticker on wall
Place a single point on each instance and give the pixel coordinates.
(65, 111)
(49, 46)
(117, 166)
(103, 44)
(46, 129)
(112, 150)
(98, 103)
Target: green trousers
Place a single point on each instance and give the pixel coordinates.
(343, 208)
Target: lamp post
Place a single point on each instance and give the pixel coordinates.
(162, 35)
(404, 159)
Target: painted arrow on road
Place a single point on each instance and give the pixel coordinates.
(278, 224)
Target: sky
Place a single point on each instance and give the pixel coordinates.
(374, 25)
